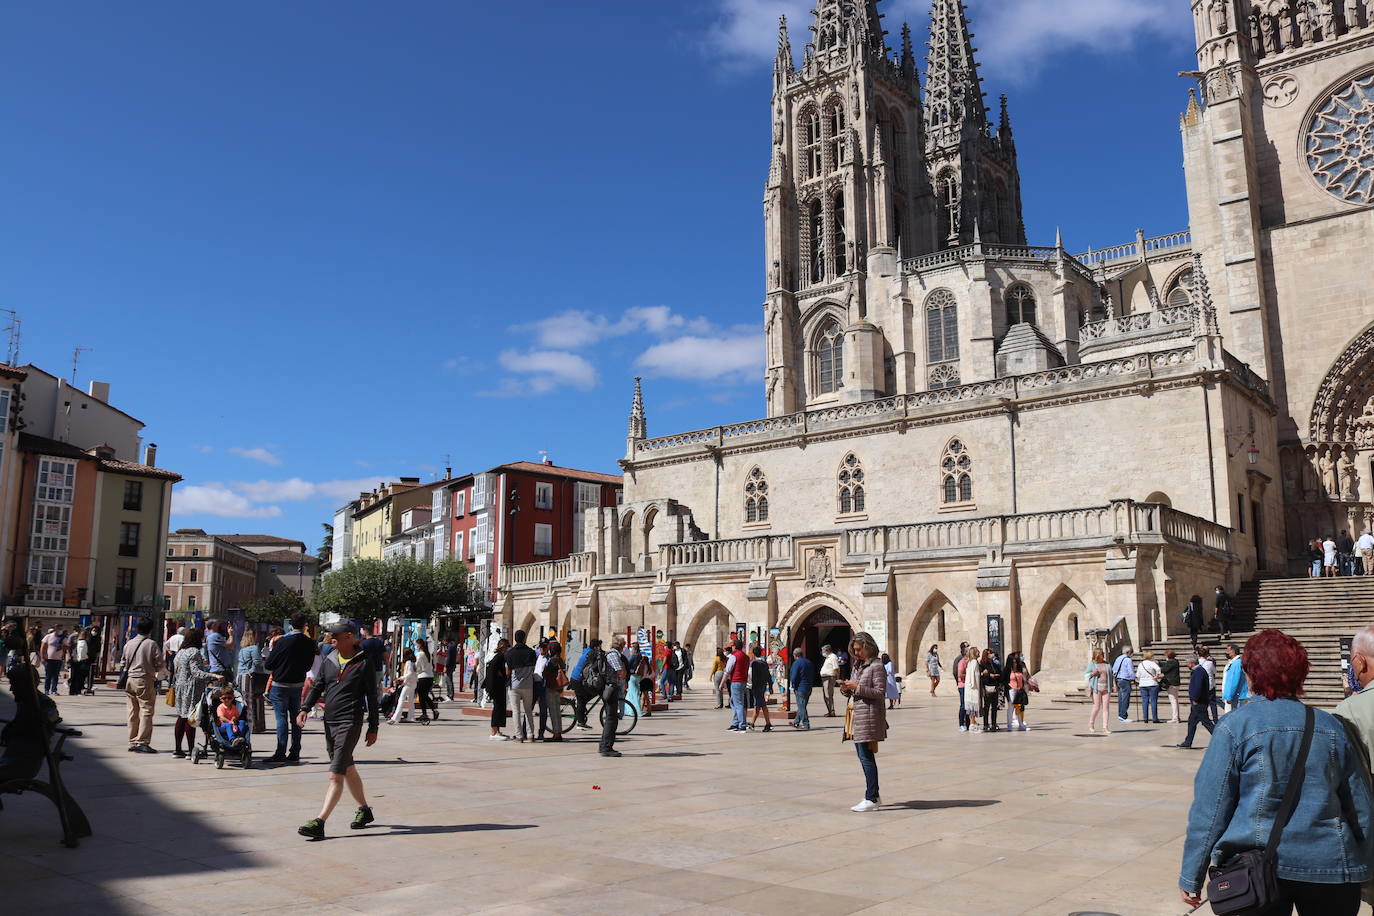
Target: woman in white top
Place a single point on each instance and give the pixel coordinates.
(933, 667)
(409, 678)
(81, 664)
(1329, 549)
(1147, 675)
(973, 690)
(424, 681)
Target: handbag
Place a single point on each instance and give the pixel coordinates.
(561, 680)
(848, 734)
(171, 696)
(1248, 882)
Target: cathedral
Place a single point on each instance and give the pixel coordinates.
(971, 438)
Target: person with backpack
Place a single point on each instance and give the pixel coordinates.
(1224, 610)
(672, 669)
(1192, 618)
(496, 684)
(582, 693)
(1123, 671)
(612, 675)
(760, 686)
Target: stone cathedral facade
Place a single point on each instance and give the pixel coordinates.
(969, 436)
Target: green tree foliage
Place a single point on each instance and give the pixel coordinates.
(327, 544)
(367, 589)
(273, 609)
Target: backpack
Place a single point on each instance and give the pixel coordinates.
(671, 661)
(594, 671)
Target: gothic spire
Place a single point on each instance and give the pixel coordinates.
(907, 63)
(637, 424)
(784, 58)
(840, 23)
(954, 90)
(1206, 322)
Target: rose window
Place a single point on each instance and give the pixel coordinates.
(1340, 142)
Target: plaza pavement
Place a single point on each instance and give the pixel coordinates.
(693, 819)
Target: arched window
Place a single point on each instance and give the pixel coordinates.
(835, 124)
(851, 485)
(942, 327)
(1181, 290)
(898, 229)
(896, 149)
(756, 497)
(817, 223)
(829, 357)
(811, 142)
(956, 474)
(1020, 305)
(841, 238)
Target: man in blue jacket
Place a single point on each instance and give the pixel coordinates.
(1200, 697)
(802, 677)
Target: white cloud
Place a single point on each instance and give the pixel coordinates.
(735, 357)
(297, 490)
(462, 365)
(578, 328)
(256, 454)
(746, 31)
(217, 499)
(543, 371)
(1014, 37)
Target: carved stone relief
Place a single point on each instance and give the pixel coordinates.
(1280, 91)
(820, 570)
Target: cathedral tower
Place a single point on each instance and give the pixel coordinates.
(976, 181)
(847, 196)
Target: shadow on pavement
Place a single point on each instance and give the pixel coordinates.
(934, 803)
(407, 830)
(681, 754)
(138, 840)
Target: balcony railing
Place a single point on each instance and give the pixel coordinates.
(1139, 250)
(1176, 318)
(1121, 522)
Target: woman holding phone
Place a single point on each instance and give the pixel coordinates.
(867, 726)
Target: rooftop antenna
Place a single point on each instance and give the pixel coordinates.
(76, 359)
(12, 331)
(543, 456)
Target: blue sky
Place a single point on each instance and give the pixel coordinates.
(314, 245)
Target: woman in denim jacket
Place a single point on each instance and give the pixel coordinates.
(1324, 851)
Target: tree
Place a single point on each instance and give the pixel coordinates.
(273, 609)
(327, 545)
(396, 588)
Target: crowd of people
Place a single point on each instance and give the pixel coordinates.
(1341, 555)
(56, 652)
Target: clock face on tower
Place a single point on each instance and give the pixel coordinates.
(1340, 142)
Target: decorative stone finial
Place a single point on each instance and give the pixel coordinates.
(1205, 324)
(637, 423)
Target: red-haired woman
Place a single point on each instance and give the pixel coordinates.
(1324, 849)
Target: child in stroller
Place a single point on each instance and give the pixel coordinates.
(222, 718)
(229, 720)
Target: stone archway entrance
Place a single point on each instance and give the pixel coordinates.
(822, 626)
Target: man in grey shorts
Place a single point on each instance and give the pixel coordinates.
(348, 684)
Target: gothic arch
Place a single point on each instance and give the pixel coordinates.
(796, 615)
(1059, 651)
(713, 612)
(925, 630)
(528, 625)
(625, 550)
(1346, 394)
(650, 516)
(1160, 498)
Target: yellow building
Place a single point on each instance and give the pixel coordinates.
(378, 516)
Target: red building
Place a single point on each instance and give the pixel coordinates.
(522, 512)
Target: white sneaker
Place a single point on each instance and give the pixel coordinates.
(499, 738)
(865, 805)
(963, 728)
(1024, 728)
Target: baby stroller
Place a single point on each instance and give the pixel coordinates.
(211, 741)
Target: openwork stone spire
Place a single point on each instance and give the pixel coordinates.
(954, 90)
(848, 23)
(638, 426)
(1205, 324)
(783, 62)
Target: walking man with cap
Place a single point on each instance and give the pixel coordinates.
(349, 687)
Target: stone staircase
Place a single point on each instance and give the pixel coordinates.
(1316, 612)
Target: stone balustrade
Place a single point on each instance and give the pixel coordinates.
(1142, 249)
(902, 407)
(1123, 522)
(1174, 321)
(994, 251)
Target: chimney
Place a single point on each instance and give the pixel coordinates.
(150, 453)
(548, 462)
(100, 391)
(448, 473)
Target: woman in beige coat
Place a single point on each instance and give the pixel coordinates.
(866, 691)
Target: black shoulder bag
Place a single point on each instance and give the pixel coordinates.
(1249, 881)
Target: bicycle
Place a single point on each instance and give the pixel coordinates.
(629, 715)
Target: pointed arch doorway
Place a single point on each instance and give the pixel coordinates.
(822, 626)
